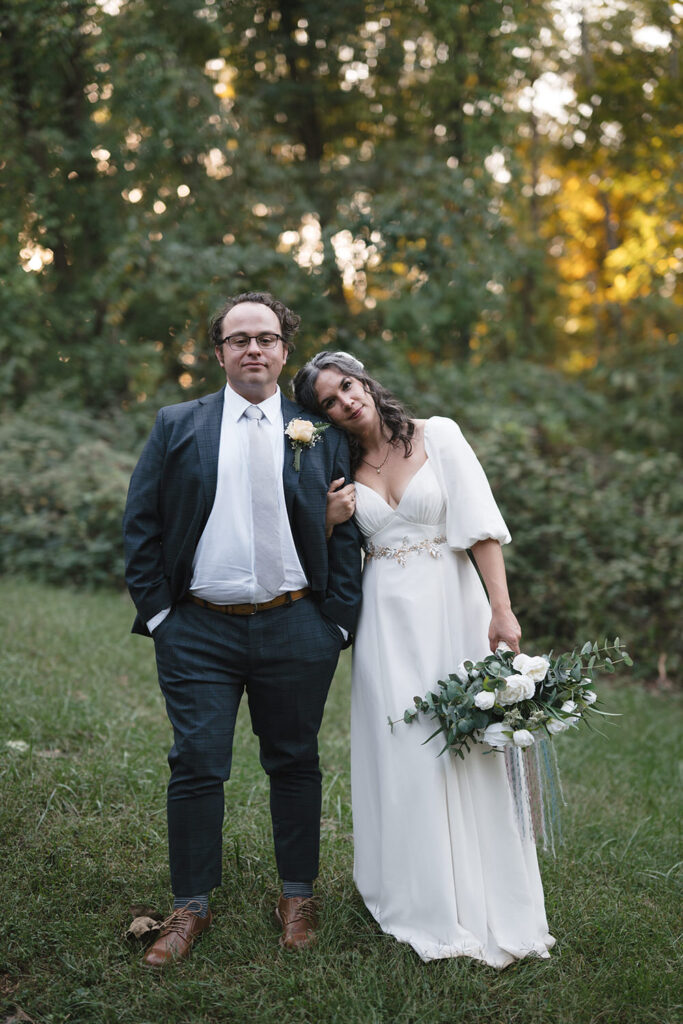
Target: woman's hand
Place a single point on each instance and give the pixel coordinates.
(341, 504)
(504, 627)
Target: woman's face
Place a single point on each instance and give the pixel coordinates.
(344, 399)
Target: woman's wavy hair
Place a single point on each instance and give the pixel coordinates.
(392, 414)
(289, 321)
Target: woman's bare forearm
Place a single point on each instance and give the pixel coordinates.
(504, 626)
(489, 558)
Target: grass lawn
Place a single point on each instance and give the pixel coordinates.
(83, 837)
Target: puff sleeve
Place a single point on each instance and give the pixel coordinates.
(471, 511)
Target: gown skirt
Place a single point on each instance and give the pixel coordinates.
(439, 859)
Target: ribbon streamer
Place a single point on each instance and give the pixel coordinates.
(534, 777)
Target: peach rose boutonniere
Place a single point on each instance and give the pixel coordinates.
(303, 434)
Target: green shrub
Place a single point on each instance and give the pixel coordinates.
(63, 484)
(597, 546)
(597, 533)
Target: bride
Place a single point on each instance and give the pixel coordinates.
(439, 859)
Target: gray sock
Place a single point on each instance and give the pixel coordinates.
(201, 904)
(290, 889)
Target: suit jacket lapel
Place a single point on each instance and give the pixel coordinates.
(208, 417)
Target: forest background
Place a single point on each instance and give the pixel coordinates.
(481, 201)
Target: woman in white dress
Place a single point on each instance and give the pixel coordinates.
(439, 859)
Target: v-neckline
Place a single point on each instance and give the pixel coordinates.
(394, 508)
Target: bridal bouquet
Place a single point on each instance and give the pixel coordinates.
(512, 700)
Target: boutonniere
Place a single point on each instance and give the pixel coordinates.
(303, 434)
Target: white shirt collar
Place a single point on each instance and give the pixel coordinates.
(236, 404)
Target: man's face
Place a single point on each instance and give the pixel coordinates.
(253, 372)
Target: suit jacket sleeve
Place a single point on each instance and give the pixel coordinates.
(342, 599)
(142, 528)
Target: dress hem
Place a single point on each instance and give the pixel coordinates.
(436, 951)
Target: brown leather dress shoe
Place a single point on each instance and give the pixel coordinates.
(177, 934)
(298, 916)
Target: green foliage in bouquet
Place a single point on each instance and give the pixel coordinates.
(509, 699)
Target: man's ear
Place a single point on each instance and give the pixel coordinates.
(285, 349)
(218, 349)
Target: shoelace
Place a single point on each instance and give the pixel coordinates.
(306, 911)
(179, 918)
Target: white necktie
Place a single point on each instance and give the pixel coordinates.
(265, 515)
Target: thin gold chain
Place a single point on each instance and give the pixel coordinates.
(378, 468)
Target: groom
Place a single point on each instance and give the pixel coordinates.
(231, 573)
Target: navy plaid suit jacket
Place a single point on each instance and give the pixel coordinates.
(172, 491)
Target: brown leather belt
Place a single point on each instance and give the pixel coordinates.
(250, 609)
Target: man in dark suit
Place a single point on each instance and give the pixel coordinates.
(231, 573)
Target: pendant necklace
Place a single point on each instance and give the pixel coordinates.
(379, 468)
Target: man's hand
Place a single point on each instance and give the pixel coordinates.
(341, 504)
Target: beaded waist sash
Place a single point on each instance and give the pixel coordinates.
(400, 554)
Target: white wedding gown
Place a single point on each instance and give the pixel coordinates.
(439, 859)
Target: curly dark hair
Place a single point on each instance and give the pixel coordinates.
(392, 413)
(289, 321)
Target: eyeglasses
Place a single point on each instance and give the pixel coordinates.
(241, 341)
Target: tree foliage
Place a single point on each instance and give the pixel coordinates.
(481, 200)
(402, 173)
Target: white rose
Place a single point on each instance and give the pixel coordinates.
(522, 738)
(300, 430)
(495, 736)
(569, 707)
(530, 687)
(516, 688)
(462, 673)
(555, 726)
(590, 696)
(485, 700)
(534, 668)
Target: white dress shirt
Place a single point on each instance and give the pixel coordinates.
(223, 564)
